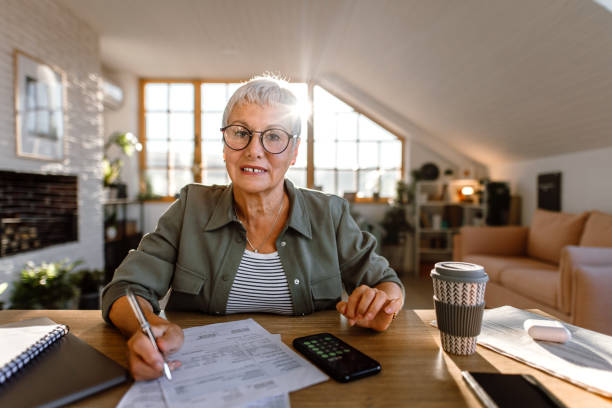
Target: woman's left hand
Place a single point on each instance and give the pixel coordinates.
(371, 307)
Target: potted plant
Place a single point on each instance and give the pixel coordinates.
(45, 286)
(89, 282)
(128, 144)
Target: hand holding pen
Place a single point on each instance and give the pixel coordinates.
(144, 351)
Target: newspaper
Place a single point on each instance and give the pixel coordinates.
(234, 364)
(585, 360)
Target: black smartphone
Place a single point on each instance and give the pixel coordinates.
(510, 390)
(336, 358)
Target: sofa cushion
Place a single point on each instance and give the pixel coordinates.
(494, 265)
(597, 230)
(541, 285)
(551, 231)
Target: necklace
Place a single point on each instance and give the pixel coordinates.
(255, 249)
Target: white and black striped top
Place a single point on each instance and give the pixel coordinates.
(260, 286)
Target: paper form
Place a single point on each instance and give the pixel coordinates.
(148, 394)
(232, 364)
(235, 364)
(585, 360)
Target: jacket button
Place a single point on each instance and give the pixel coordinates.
(225, 278)
(283, 243)
(297, 281)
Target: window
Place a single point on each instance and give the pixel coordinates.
(351, 152)
(182, 142)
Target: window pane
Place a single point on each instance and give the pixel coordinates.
(368, 183)
(368, 155)
(158, 180)
(302, 157)
(347, 182)
(297, 176)
(156, 97)
(157, 153)
(157, 126)
(325, 126)
(211, 123)
(370, 130)
(181, 154)
(181, 97)
(388, 182)
(391, 155)
(325, 155)
(324, 179)
(214, 97)
(210, 177)
(347, 126)
(212, 153)
(178, 179)
(347, 155)
(181, 126)
(326, 102)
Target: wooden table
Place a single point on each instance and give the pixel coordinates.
(490, 361)
(415, 370)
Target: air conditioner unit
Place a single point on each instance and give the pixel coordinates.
(112, 95)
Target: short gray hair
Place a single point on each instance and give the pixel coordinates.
(266, 90)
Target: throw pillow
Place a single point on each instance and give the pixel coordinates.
(551, 231)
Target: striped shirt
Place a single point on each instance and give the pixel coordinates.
(260, 286)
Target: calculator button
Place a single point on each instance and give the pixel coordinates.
(324, 355)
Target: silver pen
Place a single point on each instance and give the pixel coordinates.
(146, 327)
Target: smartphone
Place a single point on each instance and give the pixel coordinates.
(336, 358)
(495, 390)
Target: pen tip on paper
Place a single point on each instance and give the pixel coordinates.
(167, 371)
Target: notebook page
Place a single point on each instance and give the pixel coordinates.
(16, 340)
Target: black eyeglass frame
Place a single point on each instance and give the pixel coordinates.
(251, 132)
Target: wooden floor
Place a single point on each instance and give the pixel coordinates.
(419, 292)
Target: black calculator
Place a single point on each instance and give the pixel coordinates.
(336, 358)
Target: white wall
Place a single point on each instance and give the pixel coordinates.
(49, 32)
(586, 180)
(124, 119)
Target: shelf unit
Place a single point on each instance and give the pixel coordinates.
(439, 214)
(127, 233)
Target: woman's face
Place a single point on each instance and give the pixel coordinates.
(253, 169)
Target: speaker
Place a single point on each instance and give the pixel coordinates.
(498, 203)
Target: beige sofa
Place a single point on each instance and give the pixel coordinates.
(561, 264)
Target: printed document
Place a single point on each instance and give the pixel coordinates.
(584, 360)
(234, 364)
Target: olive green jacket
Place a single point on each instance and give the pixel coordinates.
(199, 242)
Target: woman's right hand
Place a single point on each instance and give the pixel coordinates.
(144, 361)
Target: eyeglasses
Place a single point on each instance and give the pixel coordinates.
(274, 141)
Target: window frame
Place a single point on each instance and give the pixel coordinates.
(197, 111)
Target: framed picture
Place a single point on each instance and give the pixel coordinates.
(39, 108)
(549, 191)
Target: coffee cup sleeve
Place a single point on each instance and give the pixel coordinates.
(459, 320)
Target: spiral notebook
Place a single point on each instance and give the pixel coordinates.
(21, 344)
(42, 364)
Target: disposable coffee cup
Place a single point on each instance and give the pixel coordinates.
(459, 289)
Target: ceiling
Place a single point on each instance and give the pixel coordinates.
(496, 80)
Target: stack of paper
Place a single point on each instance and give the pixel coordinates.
(585, 360)
(234, 364)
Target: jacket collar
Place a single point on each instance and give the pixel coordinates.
(299, 219)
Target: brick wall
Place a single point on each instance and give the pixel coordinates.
(48, 31)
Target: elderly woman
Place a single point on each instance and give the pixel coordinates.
(257, 245)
